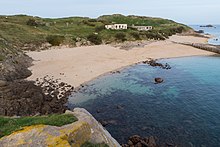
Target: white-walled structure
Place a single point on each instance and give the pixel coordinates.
(117, 26)
(142, 28)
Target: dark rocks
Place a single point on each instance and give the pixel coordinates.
(104, 123)
(114, 72)
(199, 31)
(14, 67)
(24, 98)
(137, 141)
(153, 63)
(3, 83)
(208, 26)
(151, 141)
(119, 107)
(158, 80)
(108, 122)
(98, 111)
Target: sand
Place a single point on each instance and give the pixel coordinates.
(78, 65)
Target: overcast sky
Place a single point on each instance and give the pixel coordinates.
(185, 11)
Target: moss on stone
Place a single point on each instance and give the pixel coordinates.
(9, 125)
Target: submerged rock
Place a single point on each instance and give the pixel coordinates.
(137, 141)
(158, 80)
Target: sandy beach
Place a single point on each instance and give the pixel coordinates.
(78, 65)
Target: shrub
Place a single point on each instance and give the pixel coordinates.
(96, 39)
(154, 35)
(86, 22)
(55, 40)
(92, 20)
(32, 22)
(136, 35)
(99, 28)
(120, 36)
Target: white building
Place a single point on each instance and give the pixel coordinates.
(142, 28)
(117, 26)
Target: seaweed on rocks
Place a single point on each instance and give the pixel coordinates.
(138, 141)
(154, 63)
(25, 98)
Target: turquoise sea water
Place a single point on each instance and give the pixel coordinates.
(184, 110)
(215, 31)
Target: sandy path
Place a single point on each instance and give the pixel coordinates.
(81, 64)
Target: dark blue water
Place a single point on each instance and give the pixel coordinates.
(215, 31)
(184, 110)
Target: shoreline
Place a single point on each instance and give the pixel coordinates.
(127, 66)
(114, 59)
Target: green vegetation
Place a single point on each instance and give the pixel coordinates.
(9, 125)
(88, 144)
(135, 35)
(55, 40)
(21, 30)
(120, 36)
(95, 39)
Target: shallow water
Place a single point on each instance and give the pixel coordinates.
(215, 31)
(184, 110)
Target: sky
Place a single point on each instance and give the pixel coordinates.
(185, 11)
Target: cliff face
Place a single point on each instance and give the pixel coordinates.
(98, 133)
(75, 134)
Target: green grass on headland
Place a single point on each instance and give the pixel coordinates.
(21, 30)
(9, 125)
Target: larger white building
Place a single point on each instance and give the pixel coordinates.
(117, 26)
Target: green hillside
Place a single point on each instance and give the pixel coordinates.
(21, 30)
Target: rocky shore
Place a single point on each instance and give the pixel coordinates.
(207, 47)
(19, 97)
(24, 98)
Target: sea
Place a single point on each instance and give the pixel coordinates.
(214, 31)
(184, 110)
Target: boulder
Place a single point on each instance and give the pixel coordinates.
(151, 142)
(135, 139)
(158, 80)
(3, 83)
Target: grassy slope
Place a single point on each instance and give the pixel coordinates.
(14, 29)
(9, 125)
